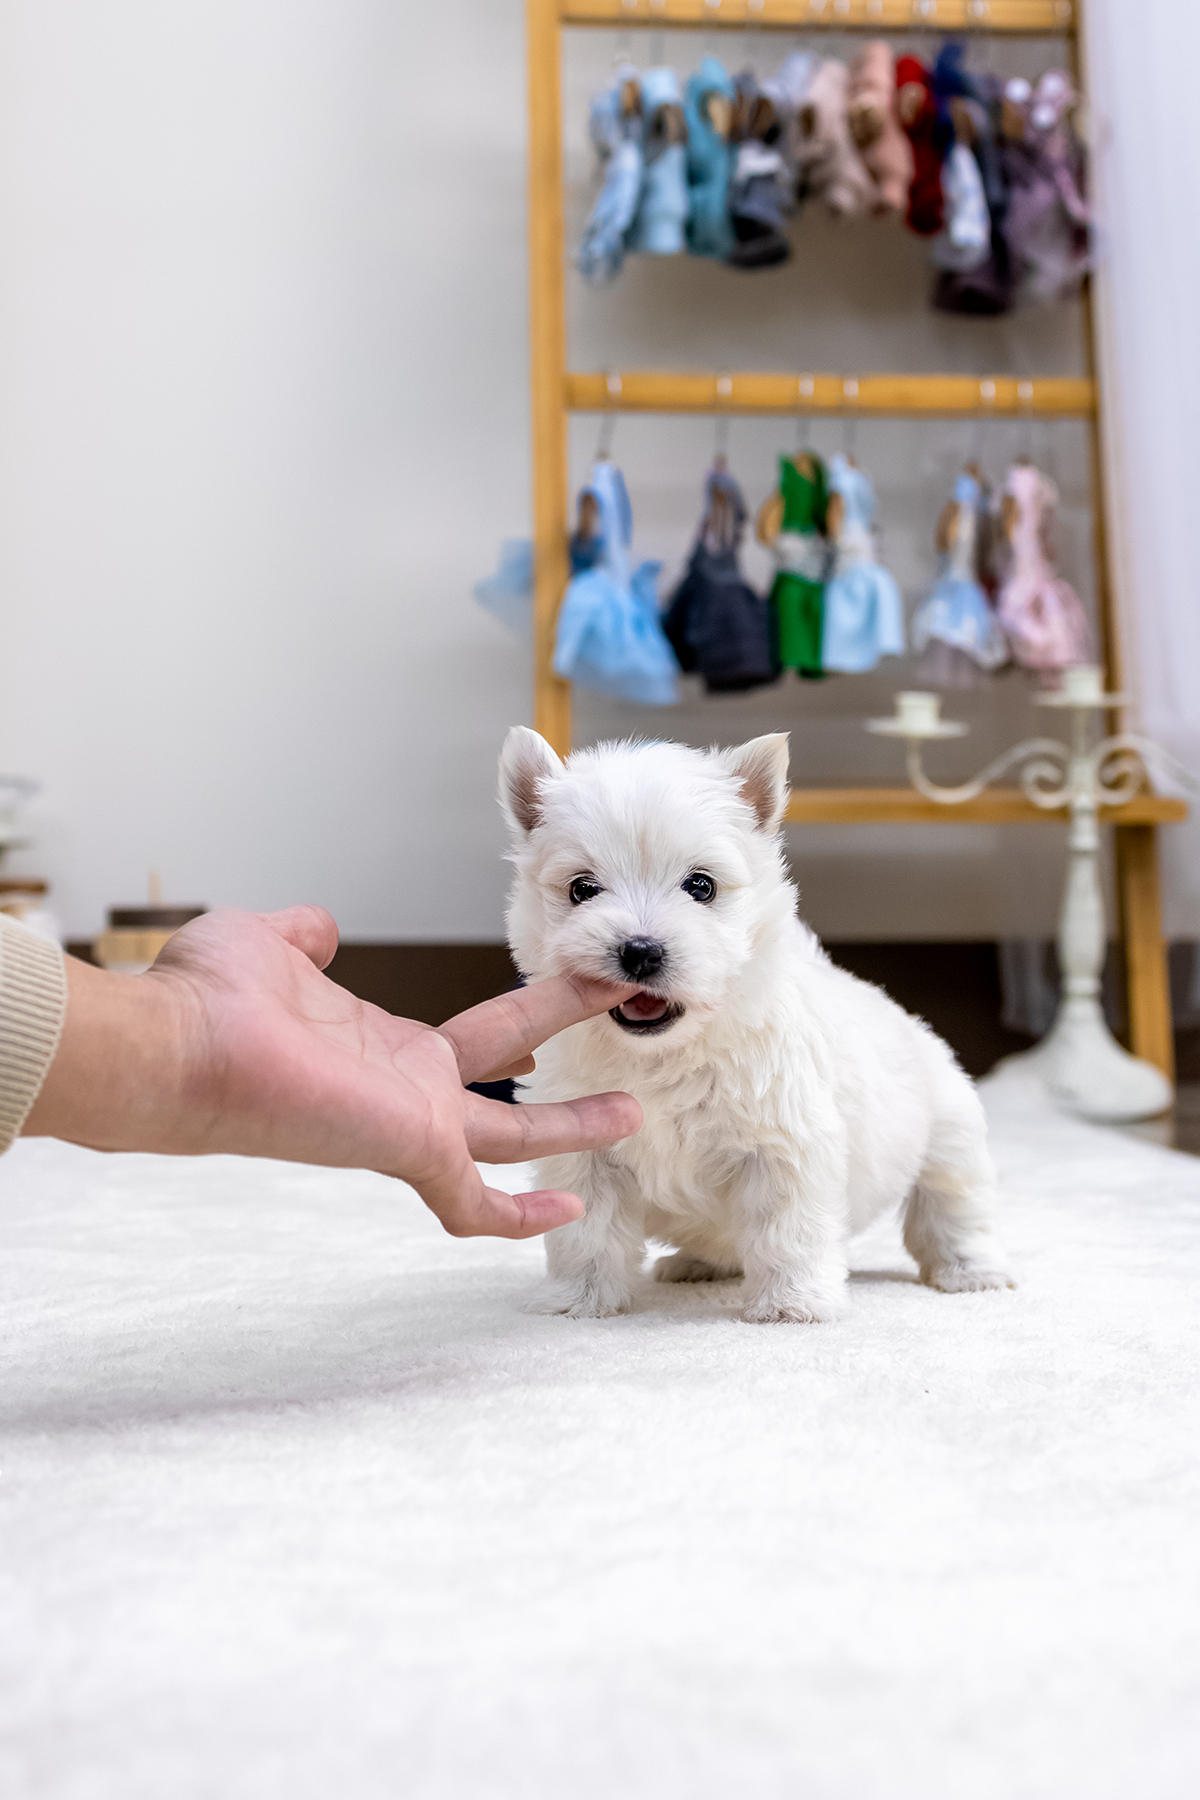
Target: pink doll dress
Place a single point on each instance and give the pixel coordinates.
(1040, 612)
(828, 165)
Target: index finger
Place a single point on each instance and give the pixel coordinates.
(504, 1030)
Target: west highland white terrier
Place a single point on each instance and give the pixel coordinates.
(787, 1104)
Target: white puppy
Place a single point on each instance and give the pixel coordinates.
(787, 1104)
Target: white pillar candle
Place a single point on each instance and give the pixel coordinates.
(919, 712)
(1084, 684)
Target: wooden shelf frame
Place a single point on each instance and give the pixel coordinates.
(863, 396)
(556, 392)
(1054, 18)
(996, 806)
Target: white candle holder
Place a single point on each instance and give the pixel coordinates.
(15, 790)
(1080, 1061)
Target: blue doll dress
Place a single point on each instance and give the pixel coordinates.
(508, 594)
(662, 211)
(609, 635)
(709, 162)
(864, 613)
(617, 138)
(957, 612)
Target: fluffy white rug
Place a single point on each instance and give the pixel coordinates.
(294, 1501)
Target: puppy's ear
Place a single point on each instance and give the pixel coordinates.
(526, 762)
(761, 766)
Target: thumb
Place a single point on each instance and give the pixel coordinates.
(307, 928)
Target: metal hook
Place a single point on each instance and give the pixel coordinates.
(850, 418)
(754, 34)
(980, 433)
(982, 423)
(1025, 396)
(608, 426)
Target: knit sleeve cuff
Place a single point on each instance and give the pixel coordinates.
(33, 1003)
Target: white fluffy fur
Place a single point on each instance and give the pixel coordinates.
(788, 1107)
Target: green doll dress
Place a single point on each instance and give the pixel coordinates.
(797, 595)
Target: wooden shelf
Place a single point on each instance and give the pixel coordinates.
(998, 806)
(866, 396)
(556, 392)
(1056, 17)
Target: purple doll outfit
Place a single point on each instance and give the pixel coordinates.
(1047, 224)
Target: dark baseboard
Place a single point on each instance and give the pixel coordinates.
(955, 986)
(431, 982)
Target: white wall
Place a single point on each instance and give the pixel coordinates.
(263, 421)
(1149, 152)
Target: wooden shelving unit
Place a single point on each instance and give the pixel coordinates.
(556, 392)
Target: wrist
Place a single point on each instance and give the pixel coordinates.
(119, 1077)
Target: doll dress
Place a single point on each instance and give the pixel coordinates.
(609, 634)
(618, 143)
(883, 145)
(787, 90)
(508, 594)
(662, 208)
(957, 612)
(717, 625)
(864, 613)
(828, 165)
(1042, 614)
(758, 187)
(1047, 225)
(797, 593)
(756, 202)
(709, 162)
(928, 134)
(966, 235)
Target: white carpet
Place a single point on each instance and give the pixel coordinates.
(295, 1502)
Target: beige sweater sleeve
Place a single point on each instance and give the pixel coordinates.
(33, 1001)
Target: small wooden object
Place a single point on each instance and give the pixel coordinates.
(136, 934)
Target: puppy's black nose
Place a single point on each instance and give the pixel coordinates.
(642, 958)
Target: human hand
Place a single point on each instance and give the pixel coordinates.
(234, 1042)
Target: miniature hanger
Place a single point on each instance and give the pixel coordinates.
(720, 441)
(608, 426)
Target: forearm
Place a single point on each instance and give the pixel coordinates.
(117, 1080)
(32, 1005)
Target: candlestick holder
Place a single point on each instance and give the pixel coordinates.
(1080, 1061)
(15, 790)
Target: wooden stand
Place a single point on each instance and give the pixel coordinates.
(557, 391)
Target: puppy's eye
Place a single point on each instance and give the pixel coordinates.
(583, 888)
(702, 888)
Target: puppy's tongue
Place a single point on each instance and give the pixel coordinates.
(643, 1006)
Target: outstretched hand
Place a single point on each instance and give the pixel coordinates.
(234, 1041)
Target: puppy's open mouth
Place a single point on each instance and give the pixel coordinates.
(645, 1014)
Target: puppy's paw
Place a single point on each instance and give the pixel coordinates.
(683, 1267)
(797, 1306)
(578, 1299)
(958, 1275)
